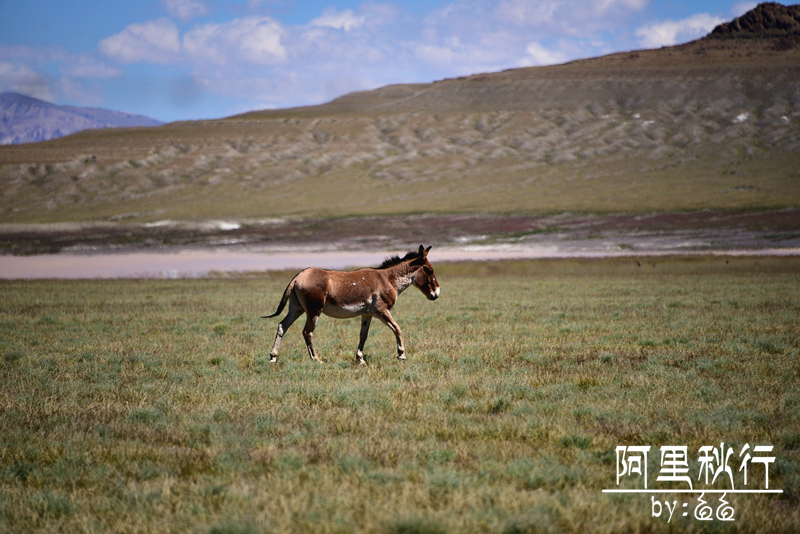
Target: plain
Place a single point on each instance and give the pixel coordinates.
(151, 406)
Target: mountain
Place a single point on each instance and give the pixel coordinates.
(766, 20)
(711, 124)
(24, 119)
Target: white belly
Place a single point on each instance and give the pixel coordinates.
(346, 311)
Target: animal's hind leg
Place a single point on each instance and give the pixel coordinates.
(295, 311)
(308, 335)
(365, 321)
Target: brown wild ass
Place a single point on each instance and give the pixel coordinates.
(364, 293)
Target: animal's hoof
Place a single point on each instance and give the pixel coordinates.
(274, 359)
(401, 357)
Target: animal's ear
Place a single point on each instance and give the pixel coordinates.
(420, 259)
(428, 250)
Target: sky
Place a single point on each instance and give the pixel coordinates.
(199, 59)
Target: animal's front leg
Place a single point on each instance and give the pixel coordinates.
(389, 321)
(308, 335)
(365, 321)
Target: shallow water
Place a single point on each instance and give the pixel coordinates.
(199, 263)
(184, 264)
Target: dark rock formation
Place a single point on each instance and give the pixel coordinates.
(766, 20)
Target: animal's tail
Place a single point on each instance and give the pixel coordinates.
(284, 299)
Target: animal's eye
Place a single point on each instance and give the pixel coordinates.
(427, 270)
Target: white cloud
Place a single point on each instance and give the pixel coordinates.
(249, 40)
(341, 43)
(512, 33)
(370, 45)
(155, 41)
(22, 79)
(509, 33)
(261, 60)
(542, 56)
(34, 56)
(613, 5)
(566, 16)
(185, 9)
(23, 69)
(87, 67)
(341, 20)
(78, 93)
(670, 32)
(434, 54)
(379, 13)
(524, 12)
(255, 5)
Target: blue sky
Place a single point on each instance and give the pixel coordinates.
(194, 59)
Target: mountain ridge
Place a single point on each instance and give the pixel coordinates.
(711, 124)
(25, 119)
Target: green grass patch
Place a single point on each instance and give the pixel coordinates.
(150, 405)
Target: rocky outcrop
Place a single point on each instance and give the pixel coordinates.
(766, 20)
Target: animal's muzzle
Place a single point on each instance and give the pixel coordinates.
(433, 295)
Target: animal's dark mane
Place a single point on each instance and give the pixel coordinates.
(396, 260)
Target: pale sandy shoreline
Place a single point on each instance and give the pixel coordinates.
(202, 263)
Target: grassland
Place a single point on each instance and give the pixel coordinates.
(150, 405)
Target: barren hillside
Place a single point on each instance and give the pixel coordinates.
(712, 124)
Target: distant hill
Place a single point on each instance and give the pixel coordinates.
(24, 119)
(710, 124)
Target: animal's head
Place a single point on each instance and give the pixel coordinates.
(425, 278)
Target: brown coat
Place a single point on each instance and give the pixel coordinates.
(364, 293)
